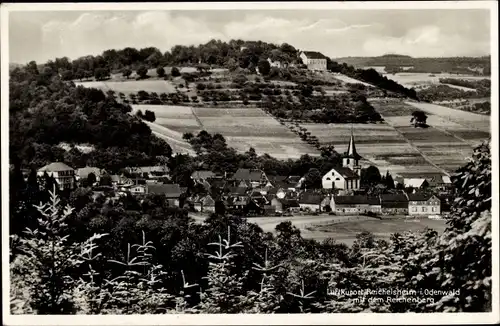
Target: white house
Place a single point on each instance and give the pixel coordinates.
(423, 204)
(62, 173)
(313, 60)
(346, 177)
(138, 190)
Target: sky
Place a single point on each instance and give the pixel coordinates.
(45, 35)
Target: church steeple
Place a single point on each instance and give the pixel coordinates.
(352, 157)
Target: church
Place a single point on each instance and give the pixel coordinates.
(347, 177)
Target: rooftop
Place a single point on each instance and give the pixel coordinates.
(356, 200)
(169, 190)
(56, 167)
(346, 172)
(314, 55)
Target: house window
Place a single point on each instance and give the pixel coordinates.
(337, 179)
(414, 209)
(433, 209)
(424, 209)
(328, 179)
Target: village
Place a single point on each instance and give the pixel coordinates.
(252, 193)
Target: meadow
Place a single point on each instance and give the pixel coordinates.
(252, 127)
(132, 86)
(379, 144)
(450, 137)
(242, 128)
(471, 120)
(411, 79)
(381, 229)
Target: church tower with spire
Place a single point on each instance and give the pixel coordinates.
(351, 157)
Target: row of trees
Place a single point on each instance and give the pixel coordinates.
(371, 76)
(343, 108)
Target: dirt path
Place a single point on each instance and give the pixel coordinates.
(197, 119)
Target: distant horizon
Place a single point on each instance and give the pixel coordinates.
(332, 58)
(419, 33)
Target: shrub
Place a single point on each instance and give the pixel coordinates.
(175, 72)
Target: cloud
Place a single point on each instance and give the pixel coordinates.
(335, 33)
(427, 41)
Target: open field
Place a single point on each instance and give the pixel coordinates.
(364, 133)
(252, 127)
(242, 128)
(226, 113)
(173, 138)
(382, 229)
(344, 228)
(410, 79)
(451, 135)
(379, 144)
(176, 118)
(132, 86)
(392, 108)
(472, 120)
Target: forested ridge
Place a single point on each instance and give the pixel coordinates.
(44, 111)
(233, 55)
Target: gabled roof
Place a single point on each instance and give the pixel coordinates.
(169, 190)
(289, 202)
(314, 55)
(84, 172)
(240, 202)
(356, 200)
(414, 182)
(394, 201)
(310, 198)
(446, 179)
(202, 174)
(207, 200)
(346, 172)
(238, 191)
(393, 198)
(419, 197)
(56, 167)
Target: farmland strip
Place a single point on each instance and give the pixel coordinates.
(419, 151)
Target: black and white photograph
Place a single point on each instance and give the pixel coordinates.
(289, 162)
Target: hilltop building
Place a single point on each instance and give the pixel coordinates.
(63, 174)
(347, 177)
(313, 60)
